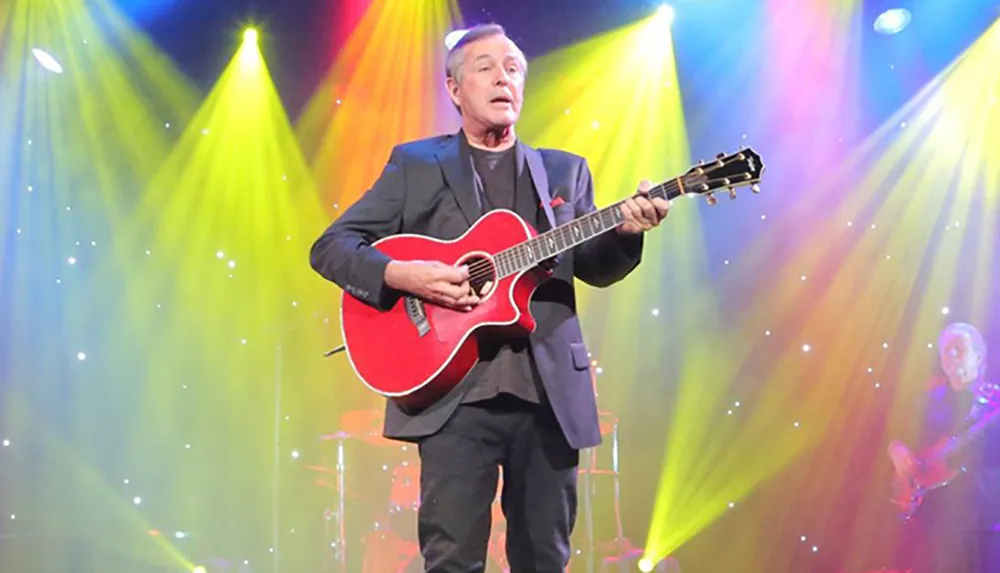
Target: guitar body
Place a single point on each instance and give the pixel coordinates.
(933, 472)
(416, 352)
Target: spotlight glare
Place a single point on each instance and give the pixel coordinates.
(453, 38)
(665, 13)
(645, 565)
(892, 21)
(250, 36)
(47, 61)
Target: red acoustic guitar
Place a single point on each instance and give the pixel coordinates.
(417, 351)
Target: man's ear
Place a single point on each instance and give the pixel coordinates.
(453, 88)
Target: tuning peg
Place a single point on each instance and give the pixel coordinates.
(711, 199)
(732, 193)
(755, 188)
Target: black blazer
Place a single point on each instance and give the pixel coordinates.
(426, 188)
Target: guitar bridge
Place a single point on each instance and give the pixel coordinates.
(418, 315)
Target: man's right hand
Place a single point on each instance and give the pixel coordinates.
(903, 459)
(434, 281)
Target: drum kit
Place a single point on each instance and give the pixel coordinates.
(390, 545)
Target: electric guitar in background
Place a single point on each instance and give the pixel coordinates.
(933, 471)
(418, 351)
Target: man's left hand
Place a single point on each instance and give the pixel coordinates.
(642, 213)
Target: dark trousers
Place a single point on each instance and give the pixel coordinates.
(459, 478)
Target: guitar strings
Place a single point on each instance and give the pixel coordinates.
(484, 268)
(669, 190)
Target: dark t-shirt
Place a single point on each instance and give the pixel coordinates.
(506, 364)
(497, 170)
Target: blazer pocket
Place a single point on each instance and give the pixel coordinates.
(581, 359)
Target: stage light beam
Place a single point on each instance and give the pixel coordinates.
(665, 14)
(398, 39)
(249, 55)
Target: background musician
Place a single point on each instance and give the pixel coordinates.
(955, 529)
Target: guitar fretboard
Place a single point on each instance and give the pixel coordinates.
(564, 237)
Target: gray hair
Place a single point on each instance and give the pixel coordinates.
(456, 55)
(975, 339)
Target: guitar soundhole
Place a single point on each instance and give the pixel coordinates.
(482, 275)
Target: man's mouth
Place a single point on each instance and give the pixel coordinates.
(502, 99)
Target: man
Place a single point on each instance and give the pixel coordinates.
(528, 406)
(956, 525)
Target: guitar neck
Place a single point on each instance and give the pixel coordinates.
(957, 443)
(531, 252)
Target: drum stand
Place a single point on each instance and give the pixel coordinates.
(590, 469)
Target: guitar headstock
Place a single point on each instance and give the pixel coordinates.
(743, 168)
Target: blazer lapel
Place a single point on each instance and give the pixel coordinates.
(458, 175)
(536, 168)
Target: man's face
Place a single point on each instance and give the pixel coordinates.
(959, 360)
(491, 89)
